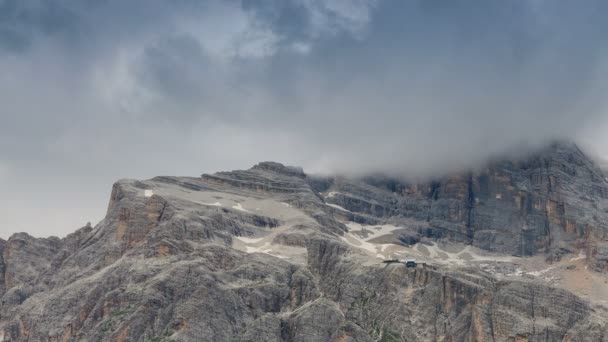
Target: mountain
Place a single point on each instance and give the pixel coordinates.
(516, 251)
(553, 202)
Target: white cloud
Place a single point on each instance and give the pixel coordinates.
(337, 16)
(195, 86)
(229, 31)
(255, 43)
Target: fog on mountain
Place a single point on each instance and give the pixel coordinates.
(303, 170)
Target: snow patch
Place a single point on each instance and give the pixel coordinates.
(360, 236)
(248, 240)
(518, 273)
(216, 204)
(580, 256)
(541, 272)
(238, 206)
(148, 193)
(331, 194)
(372, 232)
(265, 249)
(337, 207)
(278, 255)
(462, 258)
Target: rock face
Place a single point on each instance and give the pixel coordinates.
(552, 202)
(185, 259)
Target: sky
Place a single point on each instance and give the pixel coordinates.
(92, 91)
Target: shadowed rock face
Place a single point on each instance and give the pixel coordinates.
(163, 266)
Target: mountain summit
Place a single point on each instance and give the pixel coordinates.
(515, 251)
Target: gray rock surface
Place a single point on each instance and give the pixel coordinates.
(552, 202)
(179, 259)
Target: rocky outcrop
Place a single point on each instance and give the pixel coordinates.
(463, 305)
(551, 202)
(163, 266)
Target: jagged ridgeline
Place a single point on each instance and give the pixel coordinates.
(274, 254)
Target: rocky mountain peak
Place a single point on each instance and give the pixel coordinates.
(280, 169)
(514, 251)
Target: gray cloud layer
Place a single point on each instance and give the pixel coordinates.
(93, 91)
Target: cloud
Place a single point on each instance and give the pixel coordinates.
(333, 17)
(93, 91)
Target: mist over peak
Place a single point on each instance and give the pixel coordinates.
(97, 91)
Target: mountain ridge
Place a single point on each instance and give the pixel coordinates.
(273, 254)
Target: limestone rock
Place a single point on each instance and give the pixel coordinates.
(199, 259)
(554, 200)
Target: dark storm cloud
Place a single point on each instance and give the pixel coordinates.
(93, 91)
